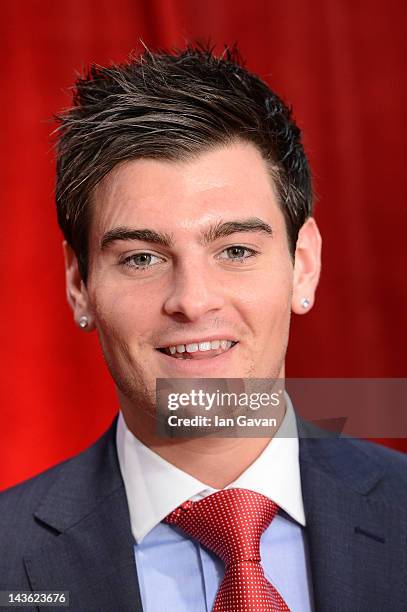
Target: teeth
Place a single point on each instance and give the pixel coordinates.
(204, 346)
(201, 346)
(192, 348)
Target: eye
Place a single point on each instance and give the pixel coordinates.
(237, 253)
(141, 261)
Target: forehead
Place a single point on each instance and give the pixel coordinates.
(226, 182)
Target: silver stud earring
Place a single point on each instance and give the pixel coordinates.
(305, 303)
(83, 322)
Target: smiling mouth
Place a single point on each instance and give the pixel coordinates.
(198, 350)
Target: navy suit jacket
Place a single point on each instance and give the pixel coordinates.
(69, 529)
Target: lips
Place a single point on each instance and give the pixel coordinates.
(200, 365)
(196, 355)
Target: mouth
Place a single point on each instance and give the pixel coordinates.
(202, 349)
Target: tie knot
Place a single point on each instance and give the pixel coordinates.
(229, 522)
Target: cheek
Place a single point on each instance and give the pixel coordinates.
(267, 298)
(267, 312)
(123, 315)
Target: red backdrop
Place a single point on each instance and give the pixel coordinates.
(340, 63)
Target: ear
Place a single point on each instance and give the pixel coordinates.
(307, 267)
(76, 292)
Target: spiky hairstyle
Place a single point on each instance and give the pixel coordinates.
(172, 105)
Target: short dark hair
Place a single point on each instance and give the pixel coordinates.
(172, 106)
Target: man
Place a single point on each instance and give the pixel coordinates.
(184, 196)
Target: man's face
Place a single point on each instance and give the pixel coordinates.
(212, 265)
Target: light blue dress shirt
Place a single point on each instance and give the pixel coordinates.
(176, 574)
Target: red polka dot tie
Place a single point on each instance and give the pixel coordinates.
(230, 523)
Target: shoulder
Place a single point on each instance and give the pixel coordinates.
(365, 466)
(322, 444)
(25, 496)
(76, 483)
(393, 463)
(388, 457)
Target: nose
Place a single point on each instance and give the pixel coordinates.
(194, 292)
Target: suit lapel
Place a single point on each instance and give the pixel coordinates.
(356, 534)
(91, 554)
(356, 537)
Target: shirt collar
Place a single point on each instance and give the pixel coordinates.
(154, 487)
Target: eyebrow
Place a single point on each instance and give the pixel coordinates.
(214, 232)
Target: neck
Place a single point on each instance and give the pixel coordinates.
(215, 461)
